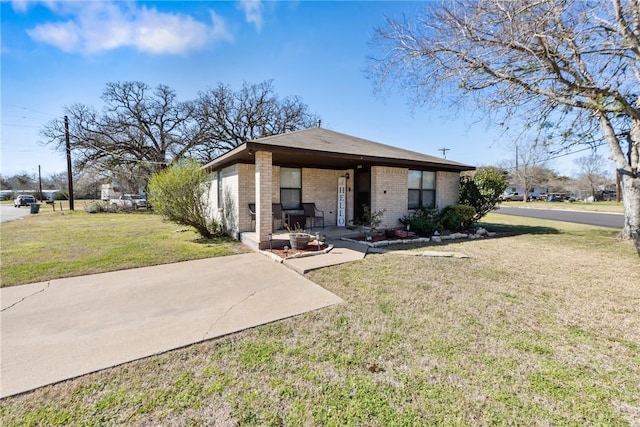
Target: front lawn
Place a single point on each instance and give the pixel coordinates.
(537, 328)
(57, 244)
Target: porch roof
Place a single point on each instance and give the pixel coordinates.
(326, 149)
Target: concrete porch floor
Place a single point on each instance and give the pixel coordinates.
(280, 238)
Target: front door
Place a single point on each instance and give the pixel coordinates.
(362, 189)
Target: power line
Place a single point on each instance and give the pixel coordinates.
(31, 109)
(20, 126)
(577, 151)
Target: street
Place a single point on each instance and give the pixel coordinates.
(9, 213)
(602, 219)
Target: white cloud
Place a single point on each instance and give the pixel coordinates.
(63, 35)
(252, 12)
(99, 26)
(20, 5)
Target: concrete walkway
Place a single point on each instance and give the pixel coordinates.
(56, 330)
(341, 253)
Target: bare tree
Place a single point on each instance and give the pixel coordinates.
(591, 172)
(529, 169)
(140, 130)
(569, 69)
(138, 127)
(232, 117)
(20, 181)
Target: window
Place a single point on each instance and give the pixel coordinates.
(291, 188)
(422, 189)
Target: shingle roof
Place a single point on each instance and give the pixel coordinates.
(323, 146)
(324, 140)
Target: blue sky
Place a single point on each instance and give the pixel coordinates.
(56, 53)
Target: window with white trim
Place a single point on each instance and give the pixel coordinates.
(422, 189)
(291, 188)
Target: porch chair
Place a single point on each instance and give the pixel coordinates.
(252, 212)
(276, 212)
(310, 211)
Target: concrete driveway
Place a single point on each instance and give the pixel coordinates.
(56, 330)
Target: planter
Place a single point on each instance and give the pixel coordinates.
(299, 240)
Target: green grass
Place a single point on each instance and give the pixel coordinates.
(538, 327)
(615, 207)
(52, 245)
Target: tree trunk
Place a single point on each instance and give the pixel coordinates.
(631, 196)
(627, 164)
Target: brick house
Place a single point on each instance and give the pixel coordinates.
(337, 172)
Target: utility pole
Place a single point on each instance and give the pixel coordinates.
(69, 175)
(444, 151)
(40, 183)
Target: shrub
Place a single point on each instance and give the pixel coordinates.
(423, 221)
(180, 194)
(482, 190)
(457, 217)
(98, 207)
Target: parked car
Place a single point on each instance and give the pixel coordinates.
(23, 200)
(512, 197)
(130, 201)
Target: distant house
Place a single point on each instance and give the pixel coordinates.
(340, 173)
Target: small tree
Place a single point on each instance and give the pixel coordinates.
(591, 172)
(530, 167)
(482, 190)
(180, 194)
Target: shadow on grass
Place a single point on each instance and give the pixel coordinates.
(514, 230)
(217, 240)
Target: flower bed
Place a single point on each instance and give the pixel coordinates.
(279, 254)
(397, 238)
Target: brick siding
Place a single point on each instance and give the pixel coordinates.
(447, 188)
(320, 186)
(389, 192)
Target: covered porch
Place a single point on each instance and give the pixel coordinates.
(280, 238)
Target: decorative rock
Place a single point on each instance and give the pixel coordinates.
(481, 231)
(436, 239)
(491, 234)
(437, 254)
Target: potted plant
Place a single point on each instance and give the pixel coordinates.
(298, 238)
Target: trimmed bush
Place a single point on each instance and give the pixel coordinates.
(423, 221)
(457, 217)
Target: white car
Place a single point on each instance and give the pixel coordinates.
(130, 201)
(23, 200)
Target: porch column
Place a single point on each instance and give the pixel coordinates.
(264, 222)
